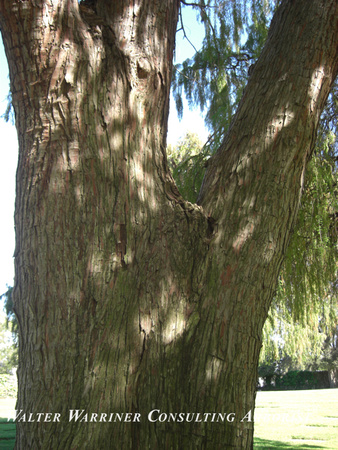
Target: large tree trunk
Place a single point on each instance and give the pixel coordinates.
(129, 299)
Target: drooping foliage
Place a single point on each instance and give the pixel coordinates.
(305, 309)
(290, 344)
(187, 162)
(310, 269)
(304, 312)
(214, 78)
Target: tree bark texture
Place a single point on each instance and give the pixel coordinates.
(130, 299)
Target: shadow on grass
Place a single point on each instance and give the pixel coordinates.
(7, 434)
(272, 445)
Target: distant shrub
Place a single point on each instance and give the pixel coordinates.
(302, 380)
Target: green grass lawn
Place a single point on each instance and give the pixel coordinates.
(7, 429)
(283, 420)
(297, 419)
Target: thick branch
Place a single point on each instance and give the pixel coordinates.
(272, 135)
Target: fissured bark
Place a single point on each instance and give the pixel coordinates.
(131, 300)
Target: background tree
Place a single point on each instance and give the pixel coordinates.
(8, 359)
(8, 351)
(11, 320)
(187, 161)
(128, 297)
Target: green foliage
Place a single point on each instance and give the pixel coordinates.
(288, 344)
(299, 380)
(215, 77)
(8, 336)
(8, 351)
(311, 260)
(304, 314)
(11, 320)
(329, 357)
(8, 386)
(187, 162)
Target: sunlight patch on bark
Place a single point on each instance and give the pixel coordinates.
(315, 87)
(145, 184)
(213, 369)
(96, 264)
(244, 234)
(46, 16)
(280, 120)
(146, 323)
(174, 326)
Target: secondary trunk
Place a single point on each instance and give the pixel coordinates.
(130, 300)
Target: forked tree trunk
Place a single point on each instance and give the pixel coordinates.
(129, 299)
